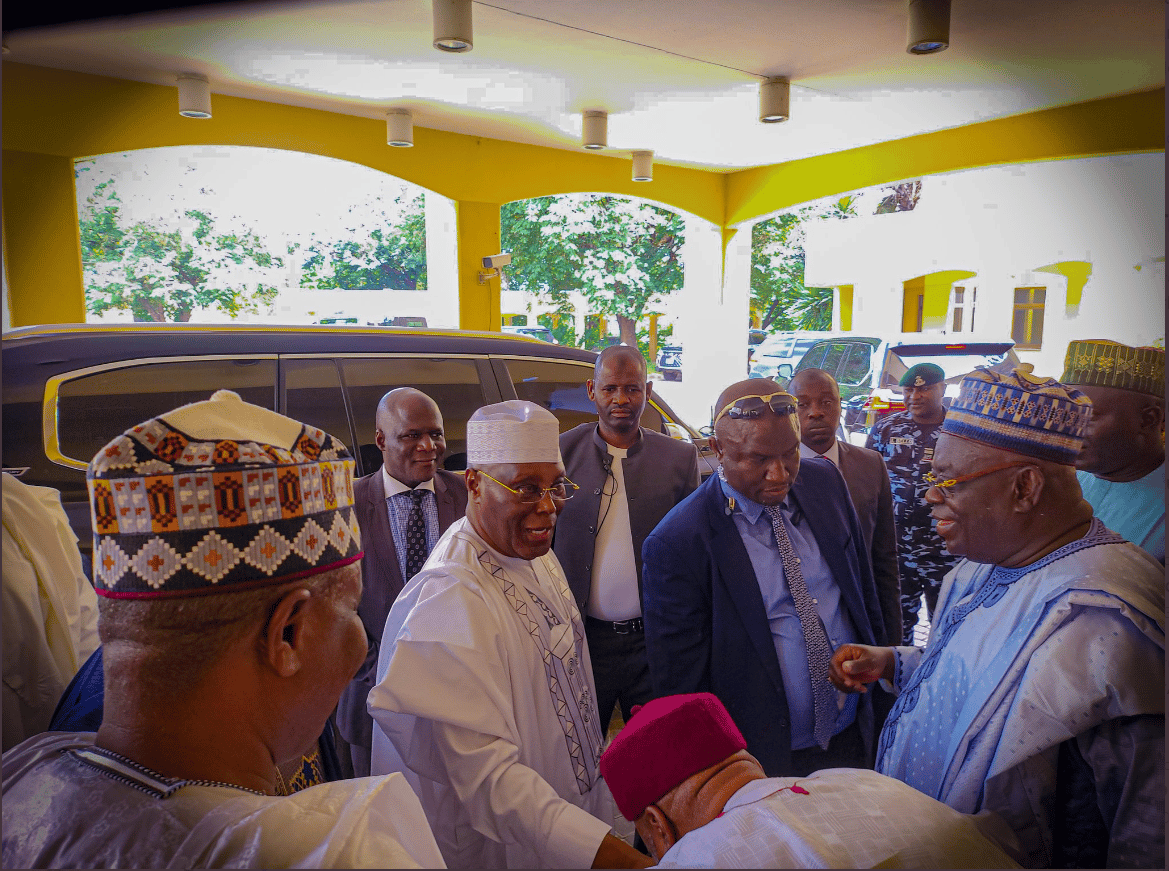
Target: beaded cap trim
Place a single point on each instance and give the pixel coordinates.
(174, 515)
(1035, 417)
(1100, 363)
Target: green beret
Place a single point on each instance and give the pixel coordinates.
(1101, 363)
(923, 375)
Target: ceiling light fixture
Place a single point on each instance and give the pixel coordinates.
(399, 128)
(774, 99)
(452, 25)
(594, 129)
(929, 26)
(643, 166)
(194, 96)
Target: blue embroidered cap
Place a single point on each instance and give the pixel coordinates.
(1028, 415)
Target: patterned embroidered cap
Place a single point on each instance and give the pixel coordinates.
(923, 375)
(1023, 413)
(664, 742)
(515, 431)
(219, 495)
(1101, 363)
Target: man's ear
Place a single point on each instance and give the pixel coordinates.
(284, 636)
(589, 390)
(379, 439)
(715, 446)
(1153, 417)
(649, 389)
(472, 482)
(1028, 488)
(657, 830)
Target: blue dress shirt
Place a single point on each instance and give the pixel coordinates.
(754, 525)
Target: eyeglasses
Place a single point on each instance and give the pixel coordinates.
(751, 407)
(934, 481)
(530, 494)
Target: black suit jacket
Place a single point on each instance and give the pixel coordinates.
(381, 577)
(868, 484)
(659, 473)
(706, 628)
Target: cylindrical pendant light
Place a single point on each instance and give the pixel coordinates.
(643, 166)
(774, 99)
(399, 128)
(452, 25)
(929, 26)
(594, 129)
(194, 96)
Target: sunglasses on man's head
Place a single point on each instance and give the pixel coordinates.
(751, 407)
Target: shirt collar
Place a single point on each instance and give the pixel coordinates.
(603, 446)
(393, 486)
(833, 453)
(750, 508)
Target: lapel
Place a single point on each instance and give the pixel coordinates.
(733, 569)
(382, 544)
(445, 501)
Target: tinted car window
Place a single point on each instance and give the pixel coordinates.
(814, 359)
(558, 386)
(94, 408)
(312, 394)
(453, 384)
(833, 357)
(857, 363)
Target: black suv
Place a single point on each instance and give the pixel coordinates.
(69, 390)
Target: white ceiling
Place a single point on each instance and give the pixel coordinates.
(679, 77)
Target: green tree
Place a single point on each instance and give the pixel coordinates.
(622, 255)
(899, 197)
(387, 257)
(778, 293)
(160, 274)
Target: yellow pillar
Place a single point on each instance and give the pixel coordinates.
(653, 336)
(478, 229)
(41, 239)
(846, 295)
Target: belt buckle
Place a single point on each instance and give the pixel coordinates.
(628, 627)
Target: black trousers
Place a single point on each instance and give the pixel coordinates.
(845, 750)
(620, 669)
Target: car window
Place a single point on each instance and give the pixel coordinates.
(855, 368)
(312, 395)
(833, 357)
(558, 386)
(814, 359)
(454, 384)
(94, 408)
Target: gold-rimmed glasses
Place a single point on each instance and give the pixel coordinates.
(530, 494)
(749, 407)
(945, 485)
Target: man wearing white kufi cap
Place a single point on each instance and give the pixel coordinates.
(485, 697)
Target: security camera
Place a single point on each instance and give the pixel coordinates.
(495, 261)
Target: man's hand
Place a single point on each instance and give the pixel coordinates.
(854, 665)
(615, 853)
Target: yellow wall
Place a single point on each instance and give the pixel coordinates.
(845, 294)
(934, 291)
(53, 116)
(1076, 272)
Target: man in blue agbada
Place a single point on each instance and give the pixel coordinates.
(1040, 695)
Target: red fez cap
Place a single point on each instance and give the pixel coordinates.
(666, 741)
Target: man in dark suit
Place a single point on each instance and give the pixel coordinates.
(629, 478)
(818, 404)
(748, 581)
(402, 509)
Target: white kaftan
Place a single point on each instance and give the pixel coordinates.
(64, 808)
(842, 818)
(485, 698)
(1021, 660)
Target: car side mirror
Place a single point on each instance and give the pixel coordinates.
(784, 371)
(707, 431)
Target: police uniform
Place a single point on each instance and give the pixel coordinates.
(908, 450)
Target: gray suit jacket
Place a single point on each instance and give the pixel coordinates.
(868, 484)
(381, 577)
(659, 473)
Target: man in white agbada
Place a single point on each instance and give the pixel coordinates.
(485, 695)
(1041, 693)
(226, 562)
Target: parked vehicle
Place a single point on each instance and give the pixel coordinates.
(868, 368)
(755, 337)
(69, 390)
(776, 357)
(399, 321)
(537, 332)
(670, 362)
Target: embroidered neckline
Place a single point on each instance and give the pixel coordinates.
(140, 777)
(795, 787)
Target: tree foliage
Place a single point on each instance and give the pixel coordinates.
(165, 273)
(778, 293)
(622, 255)
(387, 257)
(899, 197)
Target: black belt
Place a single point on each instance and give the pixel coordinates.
(621, 627)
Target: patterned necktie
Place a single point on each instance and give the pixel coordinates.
(415, 536)
(815, 639)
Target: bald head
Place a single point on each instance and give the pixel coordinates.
(409, 435)
(748, 387)
(624, 353)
